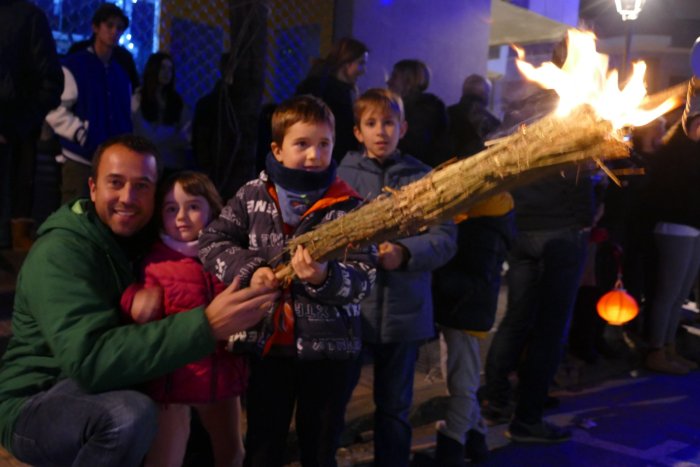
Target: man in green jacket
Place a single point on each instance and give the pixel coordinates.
(66, 374)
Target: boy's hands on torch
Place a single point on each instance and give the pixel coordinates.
(392, 256)
(147, 304)
(264, 277)
(307, 269)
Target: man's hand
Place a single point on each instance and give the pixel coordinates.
(235, 309)
(307, 269)
(147, 304)
(264, 277)
(391, 256)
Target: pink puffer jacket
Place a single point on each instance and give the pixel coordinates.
(186, 286)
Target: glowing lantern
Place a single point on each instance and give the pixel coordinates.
(617, 306)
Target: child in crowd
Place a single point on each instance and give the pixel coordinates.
(174, 281)
(398, 314)
(308, 361)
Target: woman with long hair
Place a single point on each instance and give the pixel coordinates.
(159, 113)
(334, 80)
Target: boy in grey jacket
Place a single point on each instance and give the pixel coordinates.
(398, 313)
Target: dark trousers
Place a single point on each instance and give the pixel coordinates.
(19, 156)
(394, 368)
(319, 391)
(17, 167)
(67, 426)
(545, 269)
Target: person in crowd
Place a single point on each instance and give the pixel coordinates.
(30, 85)
(208, 132)
(95, 103)
(553, 217)
(65, 378)
(674, 175)
(121, 54)
(219, 142)
(466, 292)
(426, 137)
(334, 80)
(398, 314)
(212, 386)
(466, 289)
(470, 119)
(307, 359)
(159, 113)
(620, 243)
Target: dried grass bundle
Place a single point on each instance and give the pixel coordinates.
(531, 152)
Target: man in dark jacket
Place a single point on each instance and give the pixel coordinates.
(65, 378)
(470, 119)
(30, 85)
(553, 217)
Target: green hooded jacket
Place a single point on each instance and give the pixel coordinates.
(67, 324)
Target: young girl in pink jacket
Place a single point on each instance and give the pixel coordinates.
(174, 281)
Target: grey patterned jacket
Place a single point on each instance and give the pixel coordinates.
(249, 234)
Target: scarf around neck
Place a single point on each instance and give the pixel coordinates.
(188, 249)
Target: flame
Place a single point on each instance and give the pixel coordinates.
(584, 79)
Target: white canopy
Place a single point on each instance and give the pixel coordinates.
(514, 25)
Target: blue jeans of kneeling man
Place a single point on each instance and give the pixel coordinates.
(68, 426)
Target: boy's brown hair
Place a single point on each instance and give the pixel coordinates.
(195, 184)
(306, 108)
(378, 99)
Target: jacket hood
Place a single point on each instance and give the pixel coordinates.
(78, 218)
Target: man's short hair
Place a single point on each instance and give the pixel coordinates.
(378, 99)
(305, 108)
(477, 85)
(106, 11)
(134, 142)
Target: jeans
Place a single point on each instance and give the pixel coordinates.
(68, 426)
(394, 368)
(678, 263)
(545, 269)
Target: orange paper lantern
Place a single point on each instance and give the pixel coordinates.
(617, 306)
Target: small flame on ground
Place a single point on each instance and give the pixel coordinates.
(584, 79)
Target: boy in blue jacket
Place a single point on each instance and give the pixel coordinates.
(397, 316)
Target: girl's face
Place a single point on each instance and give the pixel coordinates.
(165, 72)
(184, 215)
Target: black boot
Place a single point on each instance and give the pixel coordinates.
(449, 452)
(475, 448)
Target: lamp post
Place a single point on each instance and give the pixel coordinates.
(629, 10)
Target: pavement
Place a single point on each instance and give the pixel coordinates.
(620, 414)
